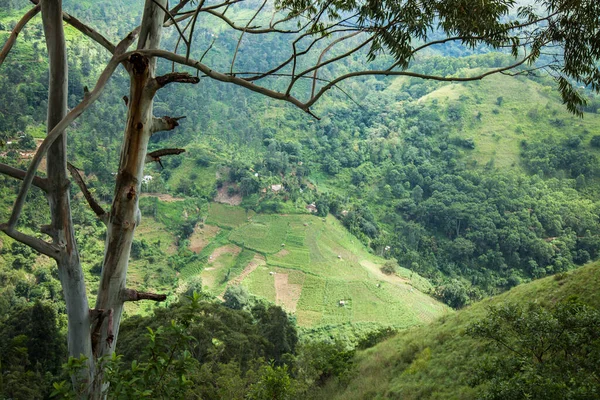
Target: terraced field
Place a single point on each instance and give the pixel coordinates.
(310, 266)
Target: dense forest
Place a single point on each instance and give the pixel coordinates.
(403, 163)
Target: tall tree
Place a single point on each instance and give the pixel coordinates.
(385, 35)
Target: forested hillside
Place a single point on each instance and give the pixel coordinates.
(285, 241)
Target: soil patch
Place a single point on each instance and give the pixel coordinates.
(224, 197)
(286, 294)
(230, 248)
(202, 236)
(282, 253)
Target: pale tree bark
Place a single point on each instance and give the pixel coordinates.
(125, 215)
(61, 229)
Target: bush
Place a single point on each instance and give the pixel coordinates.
(595, 142)
(389, 268)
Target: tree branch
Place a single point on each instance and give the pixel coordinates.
(331, 45)
(89, 32)
(155, 156)
(176, 9)
(45, 248)
(167, 55)
(170, 16)
(65, 122)
(255, 30)
(179, 77)
(165, 123)
(15, 32)
(133, 295)
(413, 75)
(16, 173)
(98, 210)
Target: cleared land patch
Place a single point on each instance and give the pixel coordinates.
(286, 294)
(223, 196)
(202, 236)
(375, 270)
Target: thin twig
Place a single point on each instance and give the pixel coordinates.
(237, 47)
(325, 51)
(194, 19)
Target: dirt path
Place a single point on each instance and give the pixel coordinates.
(257, 261)
(286, 294)
(375, 270)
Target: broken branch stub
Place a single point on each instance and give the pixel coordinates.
(134, 295)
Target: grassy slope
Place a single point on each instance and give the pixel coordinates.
(433, 362)
(527, 111)
(319, 265)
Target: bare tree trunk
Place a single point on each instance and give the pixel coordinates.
(125, 214)
(61, 228)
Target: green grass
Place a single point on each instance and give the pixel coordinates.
(260, 281)
(435, 361)
(203, 179)
(264, 234)
(226, 216)
(217, 272)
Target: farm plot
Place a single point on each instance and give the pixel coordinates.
(337, 302)
(218, 267)
(261, 283)
(293, 257)
(309, 309)
(313, 268)
(156, 234)
(265, 234)
(227, 216)
(288, 287)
